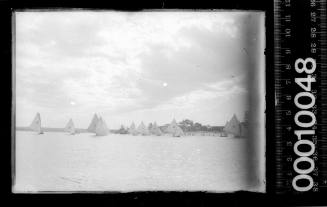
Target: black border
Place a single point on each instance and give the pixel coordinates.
(147, 198)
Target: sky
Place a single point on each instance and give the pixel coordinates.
(134, 66)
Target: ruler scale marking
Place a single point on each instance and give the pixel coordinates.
(306, 23)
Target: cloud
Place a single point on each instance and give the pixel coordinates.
(57, 33)
(126, 63)
(210, 56)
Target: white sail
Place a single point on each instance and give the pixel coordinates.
(101, 128)
(132, 130)
(70, 127)
(93, 123)
(170, 128)
(155, 130)
(233, 126)
(174, 129)
(142, 129)
(36, 124)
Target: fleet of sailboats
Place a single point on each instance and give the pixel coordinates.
(233, 128)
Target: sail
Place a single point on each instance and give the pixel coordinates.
(93, 123)
(233, 126)
(70, 127)
(155, 129)
(101, 128)
(142, 129)
(178, 132)
(36, 124)
(132, 130)
(170, 128)
(174, 129)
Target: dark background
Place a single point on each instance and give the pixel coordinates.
(142, 198)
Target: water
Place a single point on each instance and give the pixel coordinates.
(60, 162)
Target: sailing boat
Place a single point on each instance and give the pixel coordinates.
(143, 130)
(233, 127)
(174, 129)
(36, 124)
(93, 123)
(70, 127)
(101, 128)
(132, 129)
(156, 130)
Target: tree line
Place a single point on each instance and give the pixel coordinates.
(190, 126)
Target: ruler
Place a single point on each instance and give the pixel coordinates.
(300, 96)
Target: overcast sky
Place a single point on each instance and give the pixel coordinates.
(149, 66)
